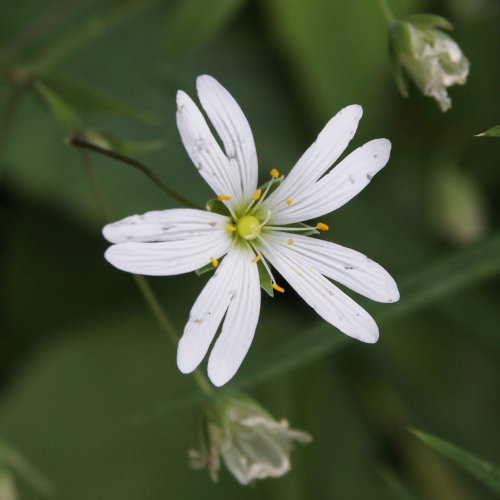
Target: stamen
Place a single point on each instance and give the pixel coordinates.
(289, 202)
(257, 194)
(322, 227)
(257, 258)
(224, 197)
(275, 172)
(231, 228)
(278, 288)
(214, 261)
(290, 241)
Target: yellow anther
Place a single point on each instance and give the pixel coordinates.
(231, 228)
(224, 197)
(257, 258)
(257, 194)
(275, 172)
(290, 241)
(214, 262)
(278, 288)
(322, 227)
(289, 202)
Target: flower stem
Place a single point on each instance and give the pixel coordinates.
(7, 123)
(386, 10)
(141, 282)
(82, 143)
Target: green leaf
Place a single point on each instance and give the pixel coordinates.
(13, 460)
(86, 99)
(218, 207)
(486, 472)
(195, 23)
(428, 21)
(59, 108)
(492, 132)
(266, 282)
(457, 272)
(121, 146)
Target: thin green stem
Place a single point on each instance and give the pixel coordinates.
(386, 10)
(7, 122)
(141, 282)
(82, 143)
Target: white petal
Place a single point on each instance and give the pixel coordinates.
(233, 128)
(206, 314)
(165, 225)
(348, 267)
(168, 258)
(336, 188)
(240, 322)
(320, 156)
(326, 299)
(204, 150)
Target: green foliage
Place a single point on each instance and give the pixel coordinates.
(492, 132)
(485, 472)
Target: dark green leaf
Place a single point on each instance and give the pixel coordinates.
(485, 472)
(492, 132)
(59, 108)
(86, 99)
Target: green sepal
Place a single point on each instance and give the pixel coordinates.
(428, 21)
(59, 108)
(402, 38)
(216, 206)
(121, 146)
(491, 132)
(266, 282)
(205, 269)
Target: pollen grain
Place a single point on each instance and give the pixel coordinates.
(224, 197)
(323, 227)
(278, 288)
(214, 261)
(275, 172)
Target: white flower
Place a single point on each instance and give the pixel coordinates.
(261, 228)
(251, 442)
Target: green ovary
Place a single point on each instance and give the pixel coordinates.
(248, 227)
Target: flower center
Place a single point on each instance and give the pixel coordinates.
(248, 227)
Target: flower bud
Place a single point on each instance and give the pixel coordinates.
(252, 444)
(428, 56)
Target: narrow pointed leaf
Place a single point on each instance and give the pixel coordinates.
(122, 146)
(482, 470)
(492, 132)
(84, 98)
(59, 108)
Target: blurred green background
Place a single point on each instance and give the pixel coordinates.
(90, 393)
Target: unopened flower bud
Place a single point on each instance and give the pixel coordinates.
(427, 55)
(252, 444)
